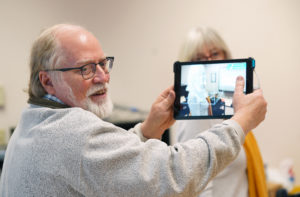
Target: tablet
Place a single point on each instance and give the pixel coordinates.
(204, 89)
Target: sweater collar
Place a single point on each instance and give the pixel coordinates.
(45, 102)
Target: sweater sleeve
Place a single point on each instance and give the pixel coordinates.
(115, 162)
(137, 130)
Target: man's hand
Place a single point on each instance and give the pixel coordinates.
(160, 117)
(250, 109)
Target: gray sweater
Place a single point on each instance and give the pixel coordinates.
(71, 152)
(233, 179)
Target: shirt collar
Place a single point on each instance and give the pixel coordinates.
(53, 98)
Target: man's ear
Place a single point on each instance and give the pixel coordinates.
(46, 82)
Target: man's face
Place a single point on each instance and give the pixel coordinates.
(79, 47)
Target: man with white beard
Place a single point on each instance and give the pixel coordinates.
(62, 147)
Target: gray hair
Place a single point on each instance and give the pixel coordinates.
(46, 53)
(197, 38)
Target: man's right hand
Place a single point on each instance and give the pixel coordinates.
(250, 109)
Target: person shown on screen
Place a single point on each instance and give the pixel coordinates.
(245, 176)
(196, 98)
(63, 147)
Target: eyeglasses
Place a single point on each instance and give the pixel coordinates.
(89, 70)
(214, 55)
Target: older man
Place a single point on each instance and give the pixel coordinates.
(62, 147)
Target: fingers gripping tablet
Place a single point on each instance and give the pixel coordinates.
(204, 89)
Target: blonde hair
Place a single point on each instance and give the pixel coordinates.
(197, 38)
(46, 53)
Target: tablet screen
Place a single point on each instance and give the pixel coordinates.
(205, 89)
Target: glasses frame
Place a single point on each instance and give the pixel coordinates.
(214, 55)
(110, 59)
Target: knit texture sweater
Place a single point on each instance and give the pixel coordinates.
(233, 179)
(71, 152)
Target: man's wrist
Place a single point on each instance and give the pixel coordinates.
(244, 124)
(147, 131)
(237, 127)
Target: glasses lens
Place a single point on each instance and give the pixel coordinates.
(110, 64)
(88, 71)
(215, 55)
(107, 65)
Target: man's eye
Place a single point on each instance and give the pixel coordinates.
(86, 69)
(103, 63)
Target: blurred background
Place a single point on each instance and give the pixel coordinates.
(145, 37)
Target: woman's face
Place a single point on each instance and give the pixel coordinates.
(208, 53)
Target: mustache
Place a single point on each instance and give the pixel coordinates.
(97, 88)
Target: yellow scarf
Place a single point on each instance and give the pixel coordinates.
(255, 167)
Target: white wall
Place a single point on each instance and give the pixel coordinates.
(145, 36)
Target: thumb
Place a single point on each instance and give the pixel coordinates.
(239, 85)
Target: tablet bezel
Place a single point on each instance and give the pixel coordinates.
(250, 65)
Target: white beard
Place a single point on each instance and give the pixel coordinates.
(102, 109)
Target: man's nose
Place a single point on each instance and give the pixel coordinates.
(100, 75)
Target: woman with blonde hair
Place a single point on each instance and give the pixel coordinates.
(245, 175)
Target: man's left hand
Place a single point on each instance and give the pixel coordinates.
(160, 117)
